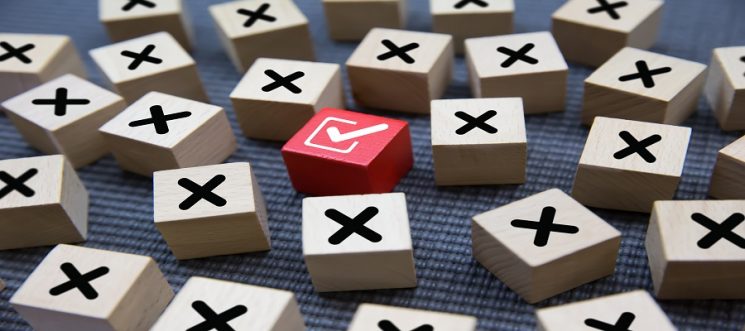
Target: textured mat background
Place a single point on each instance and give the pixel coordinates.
(449, 278)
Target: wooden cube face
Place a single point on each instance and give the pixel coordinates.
(351, 20)
(42, 202)
(206, 304)
(527, 65)
(592, 31)
(465, 19)
(160, 132)
(379, 317)
(696, 249)
(643, 86)
(63, 117)
(479, 141)
(78, 288)
(544, 245)
(126, 19)
(641, 162)
(727, 181)
(725, 87)
(358, 242)
(277, 97)
(154, 62)
(423, 60)
(250, 29)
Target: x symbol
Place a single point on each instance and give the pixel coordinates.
(17, 184)
(401, 52)
(353, 225)
(60, 102)
(285, 82)
(17, 53)
(637, 147)
(159, 120)
(514, 56)
(545, 226)
(144, 56)
(610, 8)
(742, 59)
(254, 16)
(645, 74)
(214, 320)
(132, 3)
(463, 3)
(719, 231)
(386, 325)
(623, 323)
(476, 122)
(199, 192)
(80, 281)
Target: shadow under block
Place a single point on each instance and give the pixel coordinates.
(240, 306)
(400, 70)
(277, 97)
(210, 210)
(589, 35)
(725, 87)
(378, 317)
(358, 242)
(250, 29)
(570, 247)
(78, 288)
(728, 178)
(161, 132)
(472, 19)
(479, 141)
(351, 20)
(46, 204)
(539, 76)
(696, 249)
(125, 19)
(628, 165)
(150, 63)
(63, 116)
(669, 94)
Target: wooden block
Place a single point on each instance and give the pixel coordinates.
(544, 245)
(358, 242)
(527, 65)
(63, 116)
(465, 19)
(223, 201)
(250, 29)
(212, 304)
(644, 86)
(42, 202)
(78, 288)
(589, 32)
(727, 180)
(2, 285)
(628, 165)
(277, 97)
(479, 141)
(351, 20)
(160, 132)
(127, 19)
(420, 65)
(696, 249)
(342, 152)
(725, 87)
(389, 318)
(635, 310)
(154, 62)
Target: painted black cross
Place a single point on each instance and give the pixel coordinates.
(519, 55)
(353, 225)
(646, 75)
(144, 56)
(132, 3)
(80, 281)
(386, 325)
(623, 323)
(725, 230)
(17, 184)
(18, 53)
(199, 192)
(283, 81)
(400, 52)
(213, 320)
(743, 60)
(609, 8)
(462, 3)
(637, 147)
(259, 14)
(60, 102)
(476, 122)
(545, 226)
(159, 120)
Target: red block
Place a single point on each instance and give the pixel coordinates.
(342, 152)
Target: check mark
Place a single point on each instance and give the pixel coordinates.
(337, 136)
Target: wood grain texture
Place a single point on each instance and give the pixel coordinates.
(472, 20)
(351, 20)
(369, 316)
(167, 15)
(727, 180)
(725, 87)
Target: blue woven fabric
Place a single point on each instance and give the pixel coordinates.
(449, 278)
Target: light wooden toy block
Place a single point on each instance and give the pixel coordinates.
(388, 318)
(589, 32)
(358, 242)
(2, 285)
(277, 97)
(465, 19)
(527, 65)
(644, 86)
(78, 288)
(628, 165)
(42, 202)
(727, 180)
(725, 87)
(127, 19)
(63, 116)
(696, 249)
(28, 60)
(210, 210)
(479, 141)
(250, 29)
(635, 310)
(160, 132)
(420, 65)
(351, 20)
(154, 62)
(544, 245)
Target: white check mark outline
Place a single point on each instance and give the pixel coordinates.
(337, 136)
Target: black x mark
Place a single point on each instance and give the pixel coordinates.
(254, 16)
(514, 56)
(743, 60)
(386, 325)
(646, 75)
(80, 281)
(214, 320)
(18, 53)
(401, 52)
(159, 120)
(199, 192)
(637, 147)
(144, 56)
(283, 81)
(545, 226)
(623, 323)
(355, 225)
(60, 102)
(610, 8)
(132, 3)
(718, 231)
(476, 122)
(17, 184)
(463, 3)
